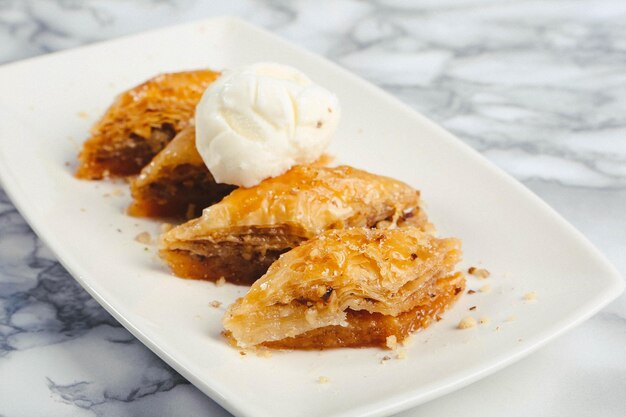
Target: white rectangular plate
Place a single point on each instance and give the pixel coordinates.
(47, 105)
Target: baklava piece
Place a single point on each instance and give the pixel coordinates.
(140, 123)
(176, 183)
(349, 288)
(239, 237)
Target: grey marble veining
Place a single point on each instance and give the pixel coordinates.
(539, 87)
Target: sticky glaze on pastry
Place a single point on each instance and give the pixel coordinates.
(140, 123)
(349, 288)
(239, 237)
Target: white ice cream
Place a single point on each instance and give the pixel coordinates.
(258, 121)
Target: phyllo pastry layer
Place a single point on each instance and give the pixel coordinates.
(353, 287)
(140, 123)
(239, 237)
(176, 183)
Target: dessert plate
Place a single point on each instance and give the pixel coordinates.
(48, 104)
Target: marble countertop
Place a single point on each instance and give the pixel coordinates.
(539, 87)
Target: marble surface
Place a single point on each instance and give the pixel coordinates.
(539, 87)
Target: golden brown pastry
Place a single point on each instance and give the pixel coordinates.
(140, 123)
(176, 183)
(239, 237)
(349, 288)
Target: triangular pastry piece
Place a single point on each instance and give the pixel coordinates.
(239, 237)
(140, 123)
(176, 183)
(349, 288)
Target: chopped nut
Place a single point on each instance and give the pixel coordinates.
(484, 320)
(530, 296)
(221, 281)
(471, 292)
(144, 237)
(467, 323)
(191, 210)
(478, 272)
(215, 304)
(391, 342)
(485, 288)
(323, 380)
(401, 354)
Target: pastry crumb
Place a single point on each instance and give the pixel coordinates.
(144, 237)
(485, 288)
(530, 296)
(391, 342)
(484, 320)
(82, 115)
(221, 281)
(470, 292)
(166, 227)
(497, 329)
(472, 308)
(117, 192)
(323, 380)
(215, 304)
(401, 354)
(242, 353)
(467, 323)
(264, 353)
(385, 359)
(481, 273)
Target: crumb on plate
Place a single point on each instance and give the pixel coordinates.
(485, 288)
(391, 342)
(467, 323)
(221, 281)
(481, 273)
(215, 304)
(484, 320)
(323, 380)
(144, 237)
(530, 296)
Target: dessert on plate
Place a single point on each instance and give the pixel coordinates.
(336, 256)
(176, 183)
(349, 288)
(140, 123)
(239, 237)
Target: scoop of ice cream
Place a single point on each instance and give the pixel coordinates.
(258, 121)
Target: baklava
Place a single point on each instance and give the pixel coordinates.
(176, 183)
(349, 288)
(140, 123)
(239, 237)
